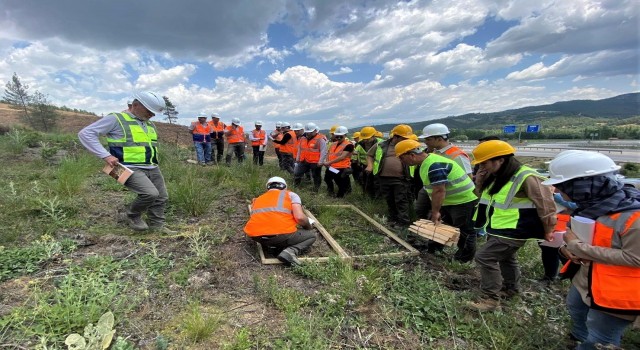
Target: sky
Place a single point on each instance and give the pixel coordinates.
(352, 63)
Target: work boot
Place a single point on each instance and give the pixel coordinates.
(288, 257)
(164, 230)
(484, 305)
(136, 223)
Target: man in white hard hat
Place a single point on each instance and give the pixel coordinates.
(276, 135)
(217, 137)
(128, 110)
(126, 132)
(201, 135)
(338, 163)
(274, 221)
(258, 139)
(235, 138)
(313, 148)
(287, 147)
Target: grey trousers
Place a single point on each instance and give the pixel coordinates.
(152, 195)
(299, 241)
(499, 265)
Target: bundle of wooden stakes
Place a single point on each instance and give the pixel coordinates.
(443, 234)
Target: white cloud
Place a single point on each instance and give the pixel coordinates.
(342, 70)
(165, 78)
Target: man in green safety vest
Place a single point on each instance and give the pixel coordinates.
(451, 192)
(133, 142)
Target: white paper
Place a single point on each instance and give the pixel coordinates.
(333, 170)
(560, 208)
(262, 147)
(583, 228)
(558, 239)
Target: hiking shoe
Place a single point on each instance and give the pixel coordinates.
(163, 230)
(484, 305)
(136, 223)
(288, 257)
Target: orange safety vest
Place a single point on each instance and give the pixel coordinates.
(289, 146)
(336, 151)
(271, 214)
(277, 138)
(309, 152)
(235, 135)
(201, 133)
(217, 131)
(454, 152)
(296, 147)
(261, 134)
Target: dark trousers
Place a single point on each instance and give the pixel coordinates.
(498, 265)
(423, 205)
(237, 149)
(303, 168)
(357, 170)
(287, 162)
(217, 149)
(370, 185)
(460, 216)
(279, 155)
(258, 155)
(299, 241)
(550, 261)
(395, 191)
(341, 180)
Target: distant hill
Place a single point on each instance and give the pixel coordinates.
(618, 110)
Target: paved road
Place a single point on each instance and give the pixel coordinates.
(551, 150)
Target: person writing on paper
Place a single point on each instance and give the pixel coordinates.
(133, 141)
(514, 207)
(604, 297)
(338, 163)
(258, 139)
(274, 221)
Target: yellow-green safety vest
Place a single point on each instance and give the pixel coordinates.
(508, 216)
(136, 147)
(459, 187)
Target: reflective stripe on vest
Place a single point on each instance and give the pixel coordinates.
(362, 154)
(136, 147)
(335, 152)
(310, 149)
(459, 187)
(288, 147)
(508, 216)
(271, 214)
(614, 288)
(377, 160)
(258, 134)
(235, 135)
(202, 133)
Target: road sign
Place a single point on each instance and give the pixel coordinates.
(533, 128)
(509, 129)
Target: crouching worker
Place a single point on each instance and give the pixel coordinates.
(274, 221)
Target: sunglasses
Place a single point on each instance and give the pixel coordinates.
(339, 137)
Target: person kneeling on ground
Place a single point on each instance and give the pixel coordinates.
(274, 219)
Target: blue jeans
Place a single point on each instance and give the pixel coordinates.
(203, 151)
(592, 326)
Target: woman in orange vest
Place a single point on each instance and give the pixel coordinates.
(338, 163)
(313, 147)
(235, 139)
(258, 143)
(287, 144)
(604, 297)
(201, 133)
(274, 221)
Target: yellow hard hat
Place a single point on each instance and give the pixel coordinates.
(379, 134)
(491, 149)
(402, 130)
(333, 129)
(367, 132)
(405, 146)
(413, 137)
(356, 135)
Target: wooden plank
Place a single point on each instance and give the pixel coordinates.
(440, 227)
(385, 230)
(274, 261)
(429, 233)
(385, 255)
(332, 242)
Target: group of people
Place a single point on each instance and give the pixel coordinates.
(511, 202)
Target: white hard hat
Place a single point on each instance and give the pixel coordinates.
(297, 126)
(276, 179)
(278, 124)
(435, 129)
(215, 115)
(572, 164)
(235, 121)
(341, 130)
(129, 103)
(150, 100)
(310, 127)
(285, 124)
(258, 123)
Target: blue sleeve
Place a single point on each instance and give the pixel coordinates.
(439, 172)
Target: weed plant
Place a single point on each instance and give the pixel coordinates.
(72, 174)
(19, 261)
(198, 326)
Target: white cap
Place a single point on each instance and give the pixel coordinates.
(285, 124)
(297, 126)
(435, 129)
(278, 124)
(341, 131)
(150, 100)
(235, 121)
(215, 115)
(129, 102)
(258, 123)
(310, 127)
(276, 179)
(572, 164)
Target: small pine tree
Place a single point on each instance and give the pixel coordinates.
(15, 93)
(43, 115)
(171, 112)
